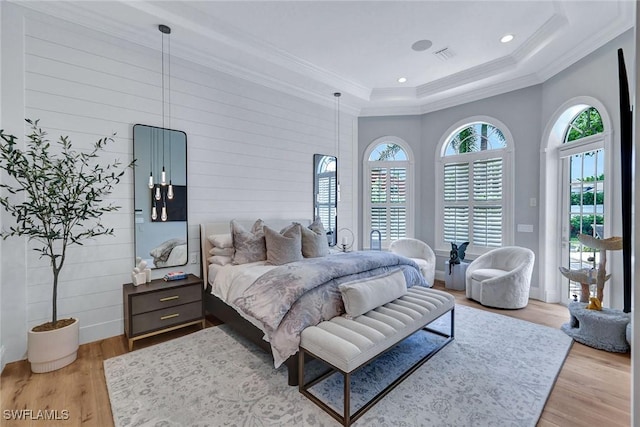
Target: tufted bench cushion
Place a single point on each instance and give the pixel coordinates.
(349, 343)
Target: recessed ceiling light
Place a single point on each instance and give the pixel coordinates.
(506, 38)
(402, 80)
(421, 45)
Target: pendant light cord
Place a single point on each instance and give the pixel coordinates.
(163, 127)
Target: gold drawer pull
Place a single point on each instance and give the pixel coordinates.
(169, 298)
(170, 316)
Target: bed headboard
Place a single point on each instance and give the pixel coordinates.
(210, 228)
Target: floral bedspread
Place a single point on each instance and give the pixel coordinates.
(293, 296)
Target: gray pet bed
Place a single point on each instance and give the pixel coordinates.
(604, 330)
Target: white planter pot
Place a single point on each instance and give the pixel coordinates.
(51, 350)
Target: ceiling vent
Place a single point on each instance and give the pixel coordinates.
(444, 54)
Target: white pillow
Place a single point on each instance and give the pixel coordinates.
(362, 296)
(221, 251)
(221, 240)
(219, 259)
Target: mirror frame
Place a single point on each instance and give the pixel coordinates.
(143, 208)
(332, 232)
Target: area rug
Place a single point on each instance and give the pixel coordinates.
(498, 371)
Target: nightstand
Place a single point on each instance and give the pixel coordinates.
(159, 306)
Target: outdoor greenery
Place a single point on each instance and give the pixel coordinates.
(469, 140)
(389, 152)
(57, 198)
(587, 123)
(586, 221)
(587, 198)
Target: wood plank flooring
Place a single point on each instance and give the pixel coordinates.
(592, 389)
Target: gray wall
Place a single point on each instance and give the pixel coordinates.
(525, 113)
(371, 128)
(520, 112)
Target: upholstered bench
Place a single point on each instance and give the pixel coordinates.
(346, 344)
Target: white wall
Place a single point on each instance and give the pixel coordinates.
(250, 152)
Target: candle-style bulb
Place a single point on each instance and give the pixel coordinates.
(170, 191)
(157, 193)
(154, 212)
(163, 179)
(150, 180)
(163, 216)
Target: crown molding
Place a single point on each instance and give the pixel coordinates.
(479, 72)
(248, 44)
(543, 36)
(283, 72)
(623, 23)
(452, 101)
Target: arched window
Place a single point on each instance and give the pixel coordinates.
(582, 211)
(388, 169)
(474, 181)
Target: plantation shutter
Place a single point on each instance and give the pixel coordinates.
(487, 210)
(326, 209)
(456, 197)
(389, 202)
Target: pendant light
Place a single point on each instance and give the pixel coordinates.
(337, 96)
(165, 31)
(154, 211)
(151, 161)
(170, 189)
(163, 215)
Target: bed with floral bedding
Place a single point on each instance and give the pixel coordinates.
(272, 300)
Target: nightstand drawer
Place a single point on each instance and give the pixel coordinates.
(160, 319)
(166, 298)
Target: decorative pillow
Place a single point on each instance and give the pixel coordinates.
(162, 251)
(219, 260)
(314, 240)
(221, 240)
(249, 245)
(283, 248)
(361, 296)
(221, 251)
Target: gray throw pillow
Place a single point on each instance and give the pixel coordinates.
(314, 240)
(283, 248)
(249, 245)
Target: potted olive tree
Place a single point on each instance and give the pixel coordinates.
(56, 199)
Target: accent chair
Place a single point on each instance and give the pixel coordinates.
(501, 277)
(420, 253)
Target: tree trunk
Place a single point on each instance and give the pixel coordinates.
(54, 310)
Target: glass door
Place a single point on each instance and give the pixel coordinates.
(582, 213)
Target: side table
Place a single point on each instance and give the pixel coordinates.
(457, 279)
(158, 306)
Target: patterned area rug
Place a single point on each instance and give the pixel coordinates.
(498, 371)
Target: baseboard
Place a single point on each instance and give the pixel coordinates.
(100, 331)
(439, 275)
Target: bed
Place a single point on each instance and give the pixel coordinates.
(271, 305)
(170, 253)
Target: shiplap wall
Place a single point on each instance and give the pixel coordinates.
(250, 152)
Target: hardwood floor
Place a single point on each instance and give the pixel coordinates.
(592, 389)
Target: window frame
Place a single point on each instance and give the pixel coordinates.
(410, 184)
(442, 247)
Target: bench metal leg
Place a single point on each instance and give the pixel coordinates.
(347, 418)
